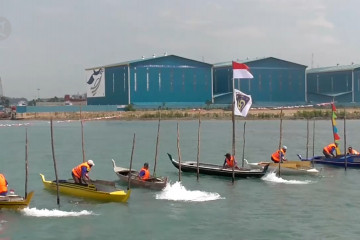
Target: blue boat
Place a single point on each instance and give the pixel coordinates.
(352, 161)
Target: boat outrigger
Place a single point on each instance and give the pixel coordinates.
(13, 201)
(99, 192)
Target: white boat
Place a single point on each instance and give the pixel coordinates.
(22, 103)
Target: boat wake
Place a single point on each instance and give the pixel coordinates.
(14, 124)
(34, 212)
(271, 177)
(177, 192)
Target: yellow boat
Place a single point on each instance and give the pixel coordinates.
(13, 201)
(100, 193)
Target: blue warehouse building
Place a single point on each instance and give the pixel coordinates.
(275, 81)
(168, 80)
(339, 83)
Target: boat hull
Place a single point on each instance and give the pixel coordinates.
(86, 191)
(289, 168)
(154, 183)
(352, 161)
(15, 202)
(218, 170)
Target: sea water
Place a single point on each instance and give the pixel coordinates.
(286, 207)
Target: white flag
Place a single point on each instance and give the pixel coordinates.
(242, 103)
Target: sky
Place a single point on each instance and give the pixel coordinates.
(46, 45)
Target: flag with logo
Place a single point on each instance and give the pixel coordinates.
(241, 70)
(242, 103)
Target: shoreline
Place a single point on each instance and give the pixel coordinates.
(190, 114)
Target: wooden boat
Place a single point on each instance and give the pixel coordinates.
(155, 183)
(288, 168)
(218, 170)
(352, 161)
(13, 201)
(96, 191)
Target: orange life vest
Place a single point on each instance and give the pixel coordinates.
(276, 155)
(146, 175)
(230, 162)
(77, 170)
(329, 148)
(3, 184)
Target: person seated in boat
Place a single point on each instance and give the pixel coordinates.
(279, 155)
(3, 185)
(352, 151)
(330, 150)
(80, 172)
(229, 161)
(144, 173)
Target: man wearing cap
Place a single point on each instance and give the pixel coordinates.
(229, 161)
(279, 155)
(80, 172)
(144, 173)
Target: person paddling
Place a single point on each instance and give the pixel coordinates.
(279, 155)
(80, 172)
(329, 150)
(144, 173)
(352, 151)
(3, 185)
(229, 161)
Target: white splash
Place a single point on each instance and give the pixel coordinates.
(177, 192)
(34, 212)
(271, 177)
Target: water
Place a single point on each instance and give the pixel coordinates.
(301, 207)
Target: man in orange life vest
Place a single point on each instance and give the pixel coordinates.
(352, 151)
(80, 172)
(144, 173)
(329, 150)
(3, 185)
(279, 155)
(229, 161)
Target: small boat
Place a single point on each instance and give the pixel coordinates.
(287, 168)
(96, 191)
(155, 183)
(219, 170)
(13, 201)
(352, 161)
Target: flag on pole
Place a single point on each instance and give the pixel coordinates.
(242, 103)
(241, 70)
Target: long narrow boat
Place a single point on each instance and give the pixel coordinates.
(352, 161)
(155, 183)
(219, 170)
(13, 201)
(99, 192)
(288, 168)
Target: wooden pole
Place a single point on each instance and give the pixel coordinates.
(345, 152)
(243, 154)
(131, 159)
(307, 138)
(82, 140)
(157, 143)
(313, 147)
(26, 164)
(55, 168)
(279, 172)
(179, 153)
(198, 148)
(233, 130)
(80, 112)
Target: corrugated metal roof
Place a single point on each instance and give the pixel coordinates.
(334, 68)
(248, 60)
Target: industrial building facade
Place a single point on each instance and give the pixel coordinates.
(339, 83)
(159, 80)
(275, 81)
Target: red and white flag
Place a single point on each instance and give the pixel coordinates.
(241, 70)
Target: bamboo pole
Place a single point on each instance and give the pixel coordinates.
(243, 154)
(55, 168)
(26, 164)
(179, 153)
(279, 172)
(345, 152)
(313, 147)
(198, 149)
(82, 141)
(131, 159)
(233, 130)
(157, 143)
(307, 138)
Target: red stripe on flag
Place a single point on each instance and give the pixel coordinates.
(333, 107)
(236, 65)
(336, 136)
